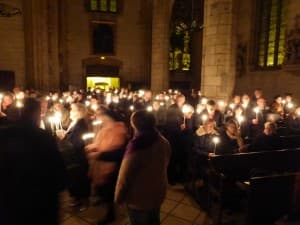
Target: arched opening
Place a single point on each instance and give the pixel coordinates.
(185, 51)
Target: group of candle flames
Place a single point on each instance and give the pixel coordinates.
(115, 96)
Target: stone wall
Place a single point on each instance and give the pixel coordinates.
(12, 53)
(131, 43)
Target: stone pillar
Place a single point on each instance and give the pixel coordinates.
(160, 44)
(41, 39)
(219, 43)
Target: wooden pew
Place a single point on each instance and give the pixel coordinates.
(243, 166)
(270, 198)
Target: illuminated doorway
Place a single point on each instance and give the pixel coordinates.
(102, 82)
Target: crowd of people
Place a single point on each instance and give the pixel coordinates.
(108, 146)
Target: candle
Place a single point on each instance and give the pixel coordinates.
(88, 137)
(232, 105)
(290, 105)
(186, 109)
(216, 140)
(204, 101)
(204, 118)
(240, 119)
(97, 122)
(256, 110)
(149, 109)
(221, 103)
(94, 107)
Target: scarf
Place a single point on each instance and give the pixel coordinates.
(142, 140)
(236, 137)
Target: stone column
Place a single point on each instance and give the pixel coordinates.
(160, 44)
(41, 44)
(219, 40)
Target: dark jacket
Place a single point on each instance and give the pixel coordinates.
(265, 142)
(227, 145)
(32, 173)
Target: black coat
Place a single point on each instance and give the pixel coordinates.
(32, 173)
(227, 145)
(75, 159)
(265, 143)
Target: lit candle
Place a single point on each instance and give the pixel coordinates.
(131, 108)
(97, 122)
(204, 101)
(240, 119)
(204, 118)
(186, 109)
(231, 105)
(256, 110)
(87, 103)
(216, 140)
(149, 109)
(94, 107)
(221, 103)
(88, 137)
(290, 105)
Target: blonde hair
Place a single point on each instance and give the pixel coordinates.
(272, 126)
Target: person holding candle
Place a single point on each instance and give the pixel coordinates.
(75, 158)
(288, 104)
(268, 140)
(230, 140)
(9, 109)
(213, 113)
(258, 118)
(277, 108)
(293, 122)
(105, 154)
(203, 148)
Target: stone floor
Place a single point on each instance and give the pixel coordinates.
(178, 209)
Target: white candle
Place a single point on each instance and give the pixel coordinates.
(216, 140)
(256, 110)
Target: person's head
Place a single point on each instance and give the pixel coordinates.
(142, 120)
(78, 111)
(258, 93)
(209, 125)
(278, 99)
(31, 112)
(236, 99)
(180, 99)
(155, 105)
(231, 127)
(261, 103)
(211, 106)
(297, 112)
(288, 97)
(245, 99)
(8, 99)
(147, 95)
(238, 111)
(270, 128)
(44, 106)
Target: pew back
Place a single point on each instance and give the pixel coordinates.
(242, 166)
